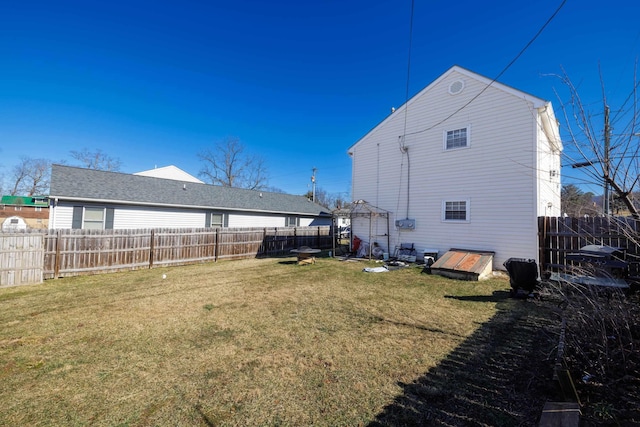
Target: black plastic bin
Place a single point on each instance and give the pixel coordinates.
(523, 274)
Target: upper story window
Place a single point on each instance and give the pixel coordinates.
(457, 138)
(455, 210)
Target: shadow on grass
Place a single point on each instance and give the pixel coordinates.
(500, 376)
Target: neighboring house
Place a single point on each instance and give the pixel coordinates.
(466, 163)
(170, 172)
(91, 199)
(21, 212)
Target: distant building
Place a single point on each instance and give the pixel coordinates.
(21, 212)
(168, 197)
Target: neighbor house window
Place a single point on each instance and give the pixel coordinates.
(292, 221)
(455, 210)
(217, 220)
(457, 138)
(93, 219)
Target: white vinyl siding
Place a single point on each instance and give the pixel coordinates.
(499, 171)
(140, 217)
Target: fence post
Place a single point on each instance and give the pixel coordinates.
(265, 250)
(56, 263)
(215, 245)
(152, 247)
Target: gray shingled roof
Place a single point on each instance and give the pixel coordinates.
(72, 183)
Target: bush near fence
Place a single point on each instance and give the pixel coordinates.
(76, 252)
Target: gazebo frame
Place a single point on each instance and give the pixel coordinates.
(362, 209)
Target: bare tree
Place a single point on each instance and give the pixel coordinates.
(97, 160)
(228, 164)
(328, 200)
(31, 176)
(610, 158)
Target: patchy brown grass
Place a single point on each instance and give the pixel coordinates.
(265, 342)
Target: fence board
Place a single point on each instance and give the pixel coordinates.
(21, 258)
(560, 236)
(75, 252)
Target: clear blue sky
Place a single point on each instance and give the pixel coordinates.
(153, 83)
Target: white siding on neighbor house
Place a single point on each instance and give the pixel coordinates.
(60, 216)
(126, 217)
(135, 217)
(497, 173)
(255, 220)
(148, 217)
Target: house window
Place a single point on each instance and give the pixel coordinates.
(455, 210)
(292, 221)
(457, 138)
(217, 220)
(93, 219)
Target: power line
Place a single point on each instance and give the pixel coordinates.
(499, 74)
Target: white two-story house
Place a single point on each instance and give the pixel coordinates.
(467, 163)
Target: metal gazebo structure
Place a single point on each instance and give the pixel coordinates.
(360, 210)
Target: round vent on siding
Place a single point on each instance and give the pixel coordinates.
(456, 87)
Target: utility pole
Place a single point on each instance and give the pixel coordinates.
(605, 166)
(313, 185)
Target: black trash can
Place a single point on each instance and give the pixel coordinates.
(523, 275)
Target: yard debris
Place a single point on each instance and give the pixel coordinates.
(382, 269)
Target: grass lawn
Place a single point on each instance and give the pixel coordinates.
(259, 342)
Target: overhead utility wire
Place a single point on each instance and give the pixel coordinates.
(403, 148)
(499, 75)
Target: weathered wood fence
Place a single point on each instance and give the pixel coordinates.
(21, 258)
(66, 253)
(560, 236)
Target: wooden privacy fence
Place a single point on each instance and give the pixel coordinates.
(21, 258)
(560, 236)
(65, 253)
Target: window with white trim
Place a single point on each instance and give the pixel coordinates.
(217, 220)
(457, 138)
(455, 210)
(93, 218)
(292, 221)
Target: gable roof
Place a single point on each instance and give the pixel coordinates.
(77, 184)
(537, 102)
(170, 172)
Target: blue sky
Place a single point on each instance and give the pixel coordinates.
(154, 83)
